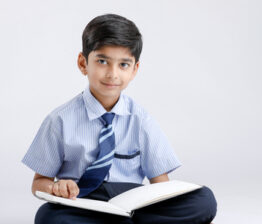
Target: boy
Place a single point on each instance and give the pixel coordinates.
(102, 143)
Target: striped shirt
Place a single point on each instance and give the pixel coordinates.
(66, 143)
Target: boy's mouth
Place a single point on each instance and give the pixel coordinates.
(109, 84)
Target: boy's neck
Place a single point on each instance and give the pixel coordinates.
(107, 102)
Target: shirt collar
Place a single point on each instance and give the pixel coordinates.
(96, 110)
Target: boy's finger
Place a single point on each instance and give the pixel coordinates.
(63, 188)
(73, 189)
(77, 190)
(56, 189)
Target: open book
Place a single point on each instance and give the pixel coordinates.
(126, 203)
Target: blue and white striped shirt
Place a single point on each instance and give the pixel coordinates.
(67, 142)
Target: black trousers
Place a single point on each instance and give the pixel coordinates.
(196, 207)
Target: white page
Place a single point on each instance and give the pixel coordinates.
(85, 203)
(151, 193)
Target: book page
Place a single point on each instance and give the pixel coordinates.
(151, 193)
(95, 205)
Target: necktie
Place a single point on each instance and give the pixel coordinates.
(96, 172)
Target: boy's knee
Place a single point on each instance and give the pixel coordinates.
(207, 202)
(45, 214)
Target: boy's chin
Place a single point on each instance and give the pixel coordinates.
(111, 92)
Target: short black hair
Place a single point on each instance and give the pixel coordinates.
(111, 29)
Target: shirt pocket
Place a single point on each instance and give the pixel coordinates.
(129, 161)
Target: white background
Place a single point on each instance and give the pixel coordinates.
(200, 78)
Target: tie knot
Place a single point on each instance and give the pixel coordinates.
(108, 118)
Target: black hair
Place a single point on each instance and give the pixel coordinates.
(111, 29)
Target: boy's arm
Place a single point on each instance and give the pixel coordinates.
(42, 183)
(158, 179)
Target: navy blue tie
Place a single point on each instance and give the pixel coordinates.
(96, 172)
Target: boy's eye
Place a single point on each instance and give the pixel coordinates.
(101, 61)
(124, 65)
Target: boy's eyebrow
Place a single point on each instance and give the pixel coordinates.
(106, 57)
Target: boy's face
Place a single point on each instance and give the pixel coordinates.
(109, 70)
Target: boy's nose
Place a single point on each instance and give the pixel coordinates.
(112, 72)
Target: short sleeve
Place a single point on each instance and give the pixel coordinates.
(157, 155)
(45, 155)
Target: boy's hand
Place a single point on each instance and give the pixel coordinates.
(66, 189)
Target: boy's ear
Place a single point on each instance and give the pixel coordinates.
(136, 66)
(82, 64)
